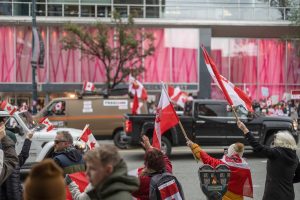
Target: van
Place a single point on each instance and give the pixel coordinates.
(104, 115)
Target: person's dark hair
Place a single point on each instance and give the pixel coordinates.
(154, 160)
(67, 136)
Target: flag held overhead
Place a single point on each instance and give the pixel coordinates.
(165, 119)
(234, 95)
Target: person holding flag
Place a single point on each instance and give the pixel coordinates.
(136, 89)
(240, 183)
(283, 168)
(156, 162)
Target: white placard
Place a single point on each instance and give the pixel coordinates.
(87, 107)
(120, 103)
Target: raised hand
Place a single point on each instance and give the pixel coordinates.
(242, 126)
(146, 142)
(2, 131)
(29, 135)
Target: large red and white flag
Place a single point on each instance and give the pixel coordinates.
(88, 137)
(136, 87)
(165, 119)
(48, 125)
(177, 96)
(234, 95)
(8, 107)
(88, 86)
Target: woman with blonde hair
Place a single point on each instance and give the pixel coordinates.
(281, 165)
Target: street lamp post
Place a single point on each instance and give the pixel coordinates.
(34, 59)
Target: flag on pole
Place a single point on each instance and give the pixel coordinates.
(48, 125)
(234, 95)
(88, 137)
(177, 96)
(135, 105)
(137, 87)
(88, 86)
(8, 107)
(165, 118)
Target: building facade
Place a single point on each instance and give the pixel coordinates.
(252, 42)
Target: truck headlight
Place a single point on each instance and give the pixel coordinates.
(295, 125)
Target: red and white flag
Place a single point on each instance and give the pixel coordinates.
(177, 96)
(8, 107)
(135, 105)
(88, 137)
(81, 181)
(136, 87)
(234, 95)
(169, 191)
(48, 125)
(88, 86)
(165, 119)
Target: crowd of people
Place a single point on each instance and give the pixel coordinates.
(108, 177)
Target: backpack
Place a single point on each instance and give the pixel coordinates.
(165, 185)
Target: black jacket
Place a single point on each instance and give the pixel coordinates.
(70, 160)
(281, 167)
(12, 189)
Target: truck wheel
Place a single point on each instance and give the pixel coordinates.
(166, 146)
(270, 140)
(117, 140)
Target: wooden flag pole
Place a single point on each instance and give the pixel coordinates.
(183, 131)
(234, 112)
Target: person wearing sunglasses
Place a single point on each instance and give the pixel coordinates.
(66, 155)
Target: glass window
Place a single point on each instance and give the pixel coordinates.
(212, 110)
(271, 61)
(128, 1)
(71, 10)
(87, 11)
(152, 2)
(137, 11)
(152, 12)
(40, 9)
(243, 60)
(122, 10)
(103, 11)
(293, 62)
(5, 8)
(21, 9)
(54, 10)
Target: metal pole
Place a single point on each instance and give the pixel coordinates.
(33, 63)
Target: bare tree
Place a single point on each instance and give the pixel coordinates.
(120, 46)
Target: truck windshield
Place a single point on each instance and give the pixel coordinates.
(27, 119)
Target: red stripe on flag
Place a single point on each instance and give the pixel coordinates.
(209, 61)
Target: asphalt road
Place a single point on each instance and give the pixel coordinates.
(185, 168)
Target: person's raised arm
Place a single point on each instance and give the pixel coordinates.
(266, 150)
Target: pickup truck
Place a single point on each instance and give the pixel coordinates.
(211, 123)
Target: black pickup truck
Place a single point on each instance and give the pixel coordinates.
(209, 124)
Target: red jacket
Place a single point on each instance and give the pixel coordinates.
(143, 192)
(240, 180)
